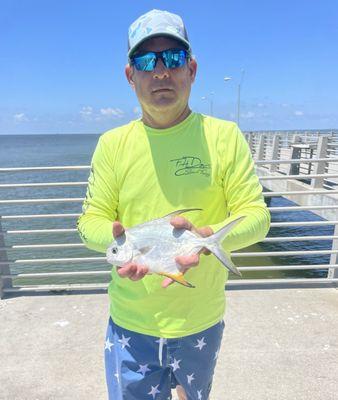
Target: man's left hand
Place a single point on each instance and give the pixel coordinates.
(187, 262)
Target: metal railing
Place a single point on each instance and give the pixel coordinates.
(36, 232)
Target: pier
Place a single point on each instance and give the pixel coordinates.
(281, 337)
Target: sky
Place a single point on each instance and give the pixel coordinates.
(62, 63)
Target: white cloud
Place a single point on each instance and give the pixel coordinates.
(249, 114)
(298, 113)
(112, 112)
(20, 117)
(260, 105)
(86, 111)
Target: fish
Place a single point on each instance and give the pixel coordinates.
(156, 243)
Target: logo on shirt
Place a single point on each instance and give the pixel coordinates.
(189, 165)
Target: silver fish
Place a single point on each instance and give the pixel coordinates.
(156, 244)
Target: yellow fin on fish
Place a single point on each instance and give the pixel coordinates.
(179, 278)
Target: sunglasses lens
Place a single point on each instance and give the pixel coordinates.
(145, 62)
(174, 58)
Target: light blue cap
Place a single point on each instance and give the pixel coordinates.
(156, 23)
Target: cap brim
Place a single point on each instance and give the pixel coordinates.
(178, 38)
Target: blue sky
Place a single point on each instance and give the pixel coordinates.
(62, 63)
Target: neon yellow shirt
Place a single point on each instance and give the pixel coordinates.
(140, 173)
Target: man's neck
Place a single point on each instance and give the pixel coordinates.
(163, 121)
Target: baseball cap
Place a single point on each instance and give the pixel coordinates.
(156, 23)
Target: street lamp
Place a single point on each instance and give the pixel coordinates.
(239, 96)
(227, 78)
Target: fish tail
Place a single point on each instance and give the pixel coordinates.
(179, 278)
(213, 244)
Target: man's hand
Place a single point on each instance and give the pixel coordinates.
(187, 262)
(130, 270)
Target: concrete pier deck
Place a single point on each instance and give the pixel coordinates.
(278, 344)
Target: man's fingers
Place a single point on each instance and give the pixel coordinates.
(118, 229)
(167, 282)
(188, 261)
(127, 270)
(181, 223)
(132, 271)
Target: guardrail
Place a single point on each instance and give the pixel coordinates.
(35, 231)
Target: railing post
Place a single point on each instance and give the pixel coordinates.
(275, 152)
(333, 272)
(295, 153)
(250, 141)
(4, 268)
(261, 145)
(320, 166)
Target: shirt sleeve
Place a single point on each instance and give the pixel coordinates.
(99, 208)
(243, 196)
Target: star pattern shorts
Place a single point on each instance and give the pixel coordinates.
(143, 367)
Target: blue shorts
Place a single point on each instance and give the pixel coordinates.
(143, 367)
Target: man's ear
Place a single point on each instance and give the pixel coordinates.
(129, 71)
(192, 69)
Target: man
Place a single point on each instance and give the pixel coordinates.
(160, 334)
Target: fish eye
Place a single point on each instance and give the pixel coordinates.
(114, 250)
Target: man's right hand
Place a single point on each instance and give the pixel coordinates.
(130, 270)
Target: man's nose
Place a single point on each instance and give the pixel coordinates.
(160, 70)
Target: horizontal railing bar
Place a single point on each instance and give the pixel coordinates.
(75, 215)
(297, 238)
(103, 259)
(80, 199)
(273, 224)
(281, 177)
(51, 184)
(287, 267)
(26, 201)
(230, 283)
(108, 272)
(25, 169)
(252, 282)
(295, 161)
(72, 245)
(302, 223)
(42, 246)
(24, 231)
(299, 192)
(57, 274)
(55, 260)
(29, 288)
(284, 253)
(32, 216)
(300, 208)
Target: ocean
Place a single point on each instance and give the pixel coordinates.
(68, 150)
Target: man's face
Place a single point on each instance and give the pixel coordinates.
(162, 89)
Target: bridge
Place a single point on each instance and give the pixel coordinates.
(281, 339)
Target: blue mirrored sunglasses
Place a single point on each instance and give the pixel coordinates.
(171, 58)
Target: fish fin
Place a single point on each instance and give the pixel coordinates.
(178, 212)
(219, 253)
(221, 233)
(179, 278)
(213, 244)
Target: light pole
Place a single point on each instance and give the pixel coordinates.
(227, 79)
(239, 97)
(211, 102)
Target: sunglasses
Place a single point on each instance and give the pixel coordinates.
(171, 58)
